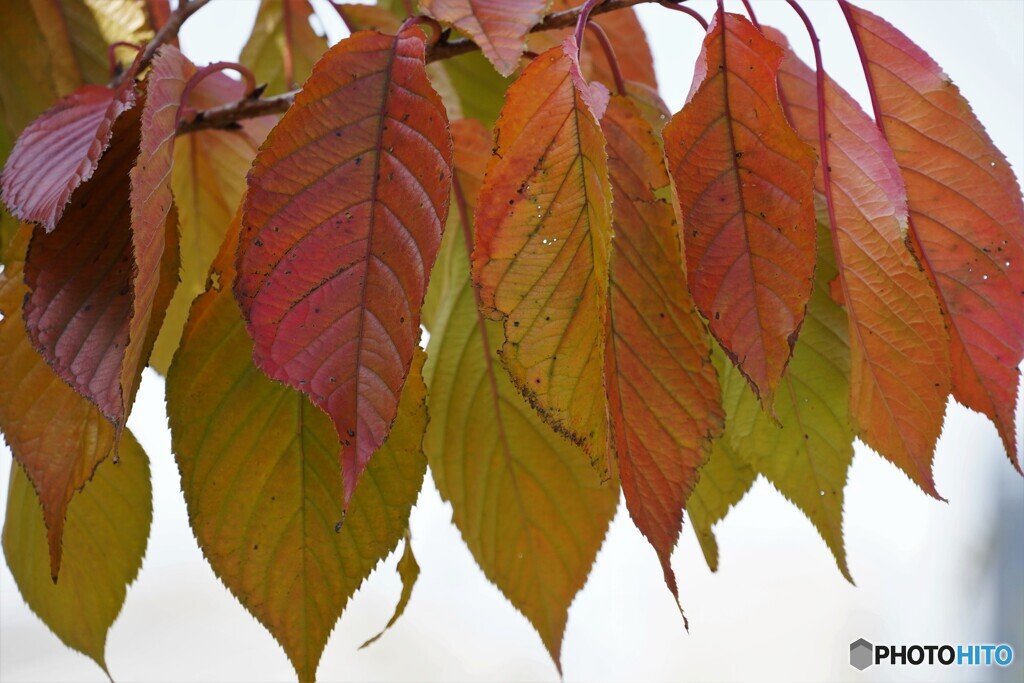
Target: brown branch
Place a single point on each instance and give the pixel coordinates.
(228, 114)
(167, 32)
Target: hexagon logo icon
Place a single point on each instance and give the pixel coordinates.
(861, 654)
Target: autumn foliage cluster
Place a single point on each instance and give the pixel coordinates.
(618, 297)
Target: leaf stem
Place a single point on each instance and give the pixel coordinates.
(609, 53)
(679, 7)
(750, 13)
(112, 57)
(826, 168)
(581, 23)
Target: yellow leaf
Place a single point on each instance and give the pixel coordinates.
(260, 475)
(105, 539)
(283, 47)
(543, 237)
(531, 510)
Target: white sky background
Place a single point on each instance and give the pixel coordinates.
(778, 609)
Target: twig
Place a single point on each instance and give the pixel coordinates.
(167, 32)
(228, 114)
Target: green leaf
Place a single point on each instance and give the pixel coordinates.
(283, 47)
(259, 470)
(105, 540)
(408, 572)
(530, 508)
(808, 456)
(724, 479)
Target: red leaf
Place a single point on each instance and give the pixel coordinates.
(61, 149)
(663, 392)
(151, 198)
(966, 215)
(98, 289)
(499, 27)
(744, 182)
(899, 347)
(341, 233)
(54, 433)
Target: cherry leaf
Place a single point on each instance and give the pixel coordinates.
(107, 533)
(259, 471)
(530, 508)
(543, 236)
(54, 433)
(899, 346)
(663, 391)
(806, 454)
(744, 183)
(966, 216)
(60, 150)
(341, 233)
(99, 285)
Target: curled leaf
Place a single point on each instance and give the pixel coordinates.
(99, 285)
(408, 572)
(60, 150)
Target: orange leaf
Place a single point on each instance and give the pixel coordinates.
(543, 234)
(499, 27)
(966, 215)
(341, 233)
(663, 392)
(899, 348)
(744, 182)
